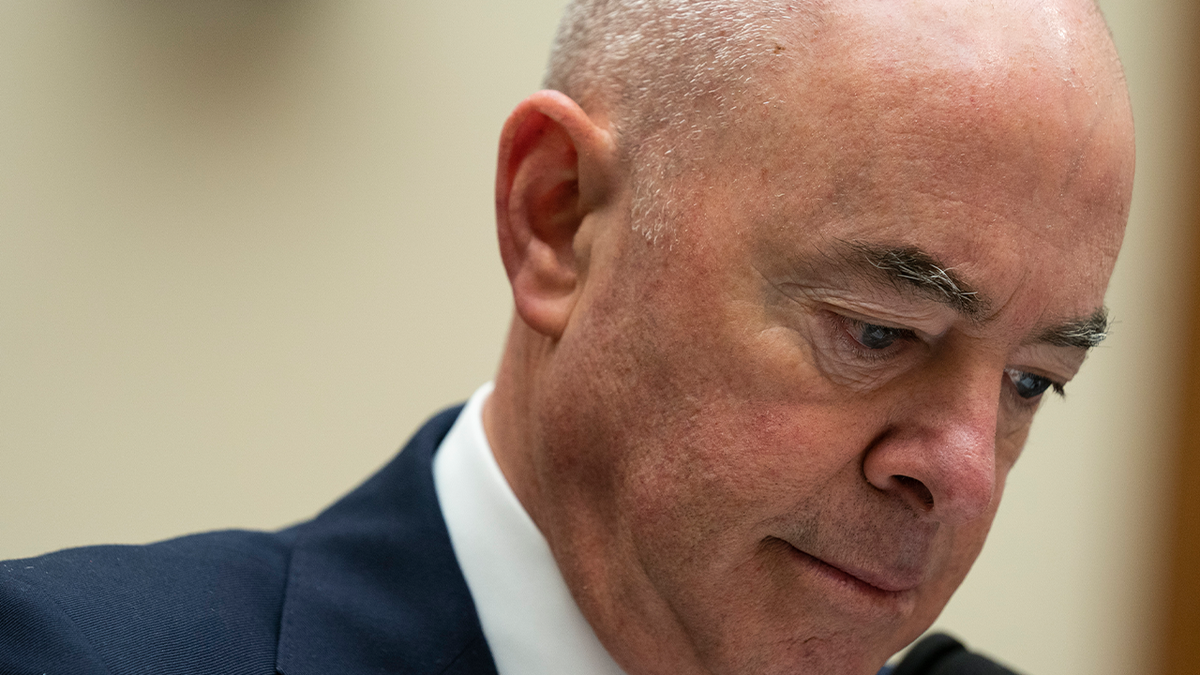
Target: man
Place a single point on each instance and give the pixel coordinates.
(790, 281)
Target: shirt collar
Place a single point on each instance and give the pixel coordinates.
(530, 620)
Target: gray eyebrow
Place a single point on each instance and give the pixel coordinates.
(1083, 333)
(917, 270)
(910, 267)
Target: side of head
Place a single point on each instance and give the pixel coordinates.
(670, 76)
(781, 332)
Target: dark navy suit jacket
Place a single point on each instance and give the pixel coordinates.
(369, 586)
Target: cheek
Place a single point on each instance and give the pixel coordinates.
(711, 488)
(743, 426)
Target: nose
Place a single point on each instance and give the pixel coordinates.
(939, 451)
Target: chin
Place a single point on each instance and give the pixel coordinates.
(800, 655)
(820, 643)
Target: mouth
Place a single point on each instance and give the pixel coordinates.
(885, 586)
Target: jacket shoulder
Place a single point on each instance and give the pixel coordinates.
(203, 603)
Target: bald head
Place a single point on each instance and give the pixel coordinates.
(673, 77)
(751, 451)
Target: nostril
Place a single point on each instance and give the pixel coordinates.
(917, 488)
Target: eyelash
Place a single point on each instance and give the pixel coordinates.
(852, 329)
(1057, 387)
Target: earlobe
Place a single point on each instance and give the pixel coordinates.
(555, 167)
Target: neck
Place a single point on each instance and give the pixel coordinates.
(509, 415)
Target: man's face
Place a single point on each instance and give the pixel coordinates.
(783, 435)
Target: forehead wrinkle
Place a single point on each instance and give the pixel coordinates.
(911, 268)
(1083, 333)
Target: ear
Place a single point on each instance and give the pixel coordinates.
(555, 168)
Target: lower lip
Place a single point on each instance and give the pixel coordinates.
(894, 600)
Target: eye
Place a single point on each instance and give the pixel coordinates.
(1029, 385)
(876, 337)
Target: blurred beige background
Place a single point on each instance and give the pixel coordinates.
(246, 248)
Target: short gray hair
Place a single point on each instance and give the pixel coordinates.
(668, 74)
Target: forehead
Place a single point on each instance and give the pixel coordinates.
(917, 91)
(1020, 233)
(992, 155)
(1025, 272)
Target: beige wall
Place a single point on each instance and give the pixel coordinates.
(245, 247)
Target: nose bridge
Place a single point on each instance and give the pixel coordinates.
(939, 451)
(961, 404)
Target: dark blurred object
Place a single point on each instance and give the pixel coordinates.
(940, 654)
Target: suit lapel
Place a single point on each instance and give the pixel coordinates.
(373, 585)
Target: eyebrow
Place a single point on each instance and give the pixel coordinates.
(911, 268)
(1083, 333)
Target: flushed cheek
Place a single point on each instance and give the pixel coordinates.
(743, 450)
(707, 493)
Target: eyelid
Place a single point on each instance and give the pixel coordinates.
(1058, 364)
(842, 322)
(925, 327)
(904, 334)
(1056, 385)
(851, 320)
(852, 352)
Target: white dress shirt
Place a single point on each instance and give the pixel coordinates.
(529, 618)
